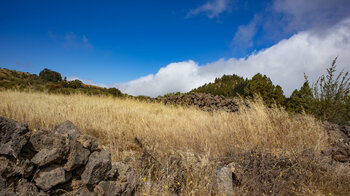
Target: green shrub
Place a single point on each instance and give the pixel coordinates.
(331, 96)
(115, 92)
(50, 75)
(74, 84)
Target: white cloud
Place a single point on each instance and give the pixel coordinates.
(211, 8)
(284, 63)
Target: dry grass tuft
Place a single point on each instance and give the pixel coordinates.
(177, 148)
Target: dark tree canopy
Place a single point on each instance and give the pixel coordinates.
(300, 100)
(50, 75)
(227, 85)
(115, 92)
(262, 85)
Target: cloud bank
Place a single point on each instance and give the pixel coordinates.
(285, 62)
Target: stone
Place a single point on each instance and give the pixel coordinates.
(84, 191)
(51, 148)
(26, 188)
(7, 186)
(68, 128)
(51, 176)
(13, 136)
(78, 156)
(224, 181)
(2, 183)
(112, 188)
(9, 167)
(88, 142)
(127, 178)
(98, 165)
(113, 174)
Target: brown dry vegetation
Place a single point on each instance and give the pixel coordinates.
(178, 148)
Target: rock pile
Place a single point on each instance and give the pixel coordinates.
(339, 138)
(206, 102)
(62, 161)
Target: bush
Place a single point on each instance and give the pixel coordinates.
(74, 84)
(50, 75)
(115, 92)
(331, 96)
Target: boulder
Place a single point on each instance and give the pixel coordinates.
(112, 188)
(68, 128)
(26, 188)
(97, 167)
(13, 136)
(78, 156)
(113, 174)
(51, 176)
(224, 183)
(88, 142)
(11, 167)
(51, 148)
(84, 191)
(127, 179)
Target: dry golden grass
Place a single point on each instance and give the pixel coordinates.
(202, 140)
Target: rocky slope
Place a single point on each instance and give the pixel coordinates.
(206, 102)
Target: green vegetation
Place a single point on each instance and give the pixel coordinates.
(300, 100)
(227, 85)
(327, 99)
(50, 75)
(262, 85)
(51, 82)
(331, 96)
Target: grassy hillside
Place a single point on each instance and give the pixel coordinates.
(51, 83)
(178, 148)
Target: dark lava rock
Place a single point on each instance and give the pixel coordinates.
(97, 167)
(12, 136)
(51, 148)
(88, 142)
(50, 176)
(68, 128)
(78, 156)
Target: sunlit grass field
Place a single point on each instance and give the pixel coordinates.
(198, 140)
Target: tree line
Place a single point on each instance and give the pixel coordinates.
(327, 99)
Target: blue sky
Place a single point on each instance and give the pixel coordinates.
(155, 47)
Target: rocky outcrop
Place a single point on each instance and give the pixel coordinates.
(206, 102)
(339, 138)
(62, 161)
